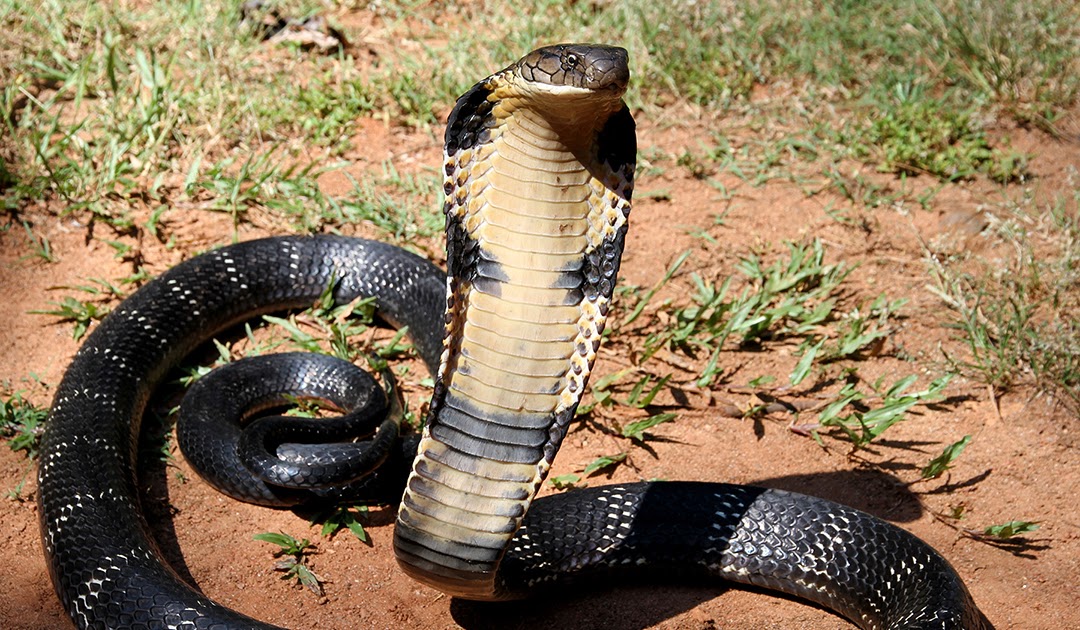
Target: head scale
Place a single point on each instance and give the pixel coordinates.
(590, 67)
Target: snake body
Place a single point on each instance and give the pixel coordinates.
(538, 178)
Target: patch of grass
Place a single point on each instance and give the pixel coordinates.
(328, 107)
(864, 423)
(402, 207)
(925, 135)
(1022, 53)
(107, 109)
(787, 297)
(1018, 320)
(81, 313)
(608, 402)
(796, 297)
(22, 423)
(640, 395)
(331, 328)
(605, 394)
(861, 330)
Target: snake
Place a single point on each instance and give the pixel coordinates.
(539, 161)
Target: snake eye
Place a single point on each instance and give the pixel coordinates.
(571, 61)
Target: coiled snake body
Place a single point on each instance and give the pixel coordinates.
(538, 177)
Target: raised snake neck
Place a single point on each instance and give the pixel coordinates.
(500, 417)
(539, 174)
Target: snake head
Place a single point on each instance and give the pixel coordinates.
(590, 67)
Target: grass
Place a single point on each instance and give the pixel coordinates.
(942, 463)
(40, 245)
(784, 298)
(1018, 318)
(107, 108)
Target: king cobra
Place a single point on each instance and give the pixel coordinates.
(539, 163)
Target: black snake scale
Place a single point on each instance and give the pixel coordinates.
(540, 149)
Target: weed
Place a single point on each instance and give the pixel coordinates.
(99, 288)
(1011, 529)
(855, 332)
(343, 516)
(605, 462)
(636, 430)
(295, 565)
(808, 351)
(943, 462)
(22, 422)
(643, 300)
(328, 108)
(77, 311)
(565, 482)
(863, 425)
(1023, 53)
(1020, 322)
(40, 245)
(785, 298)
(918, 134)
(604, 396)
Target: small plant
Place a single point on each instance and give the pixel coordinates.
(343, 516)
(943, 462)
(600, 464)
(40, 245)
(22, 422)
(1008, 535)
(1012, 529)
(338, 326)
(605, 462)
(568, 481)
(643, 300)
(636, 430)
(863, 425)
(73, 310)
(295, 565)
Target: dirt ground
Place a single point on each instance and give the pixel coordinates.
(1021, 464)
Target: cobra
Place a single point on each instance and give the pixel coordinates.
(539, 162)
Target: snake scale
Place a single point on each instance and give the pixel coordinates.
(538, 177)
